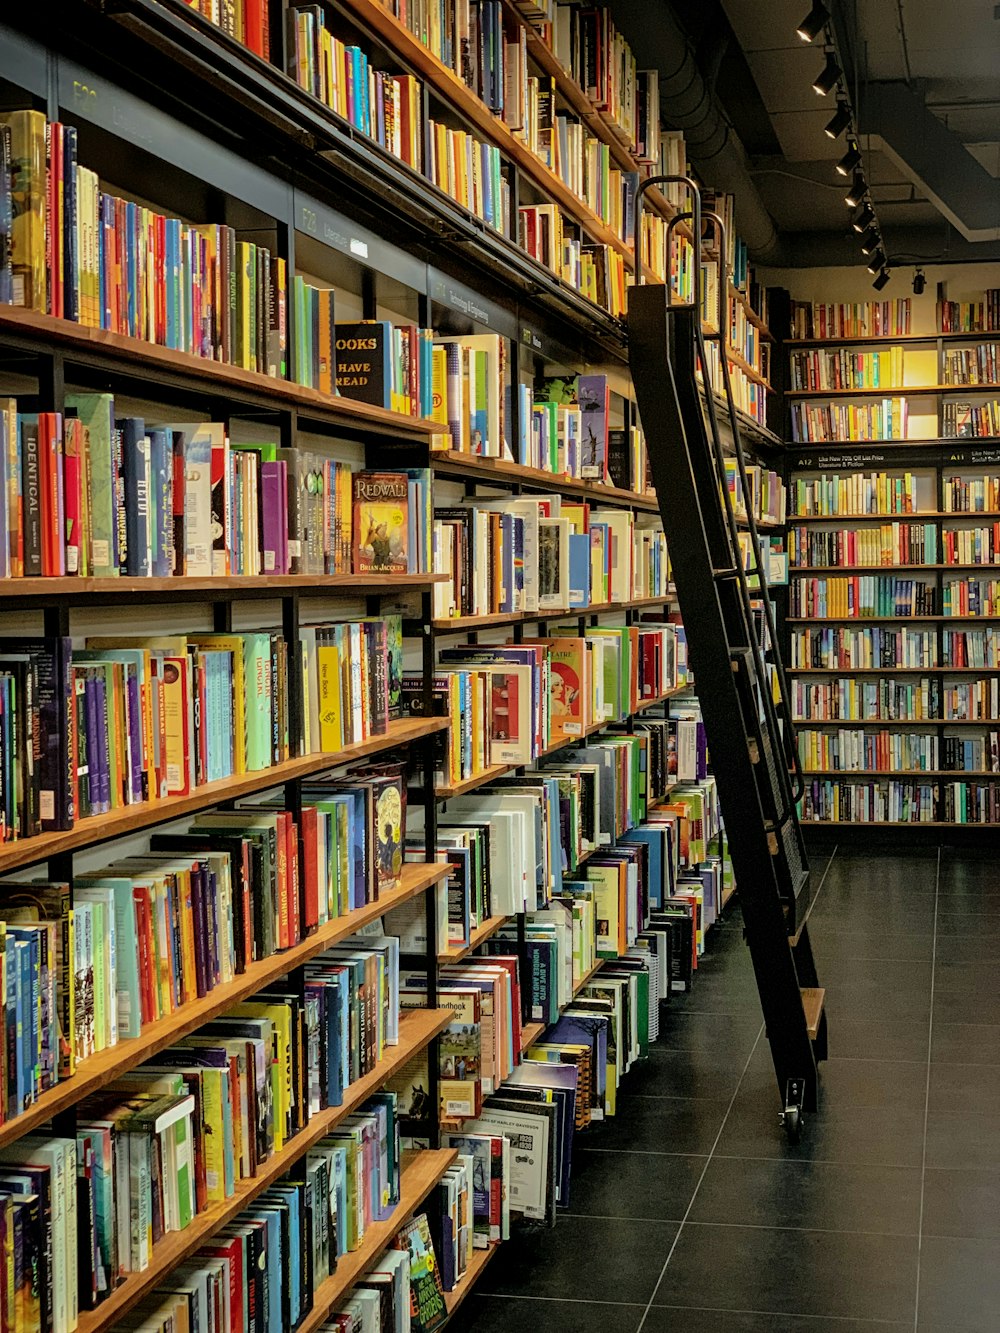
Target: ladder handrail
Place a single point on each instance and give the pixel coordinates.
(788, 734)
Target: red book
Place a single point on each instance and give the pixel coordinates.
(147, 997)
(231, 1252)
(309, 865)
(73, 487)
(253, 26)
(50, 451)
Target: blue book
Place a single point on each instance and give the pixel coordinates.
(654, 837)
(12, 1050)
(579, 569)
(136, 465)
(25, 1060)
(161, 517)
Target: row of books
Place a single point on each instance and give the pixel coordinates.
(887, 544)
(768, 495)
(972, 365)
(974, 701)
(509, 703)
(970, 802)
(971, 546)
(836, 494)
(847, 750)
(96, 495)
(970, 495)
(248, 21)
(861, 319)
(862, 595)
(131, 720)
(826, 801)
(84, 254)
(965, 420)
(842, 648)
(970, 597)
(543, 554)
(852, 699)
(151, 933)
(746, 338)
(596, 271)
(470, 172)
(971, 648)
(970, 316)
(846, 423)
(748, 396)
(818, 369)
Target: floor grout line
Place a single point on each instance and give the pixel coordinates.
(694, 1195)
(927, 1107)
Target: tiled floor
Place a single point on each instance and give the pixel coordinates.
(691, 1212)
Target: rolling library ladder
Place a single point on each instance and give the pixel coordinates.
(748, 723)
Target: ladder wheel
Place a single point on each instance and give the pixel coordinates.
(792, 1123)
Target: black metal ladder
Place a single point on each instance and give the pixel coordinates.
(732, 645)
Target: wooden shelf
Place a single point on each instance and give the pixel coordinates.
(416, 1029)
(478, 936)
(728, 895)
(892, 671)
(467, 624)
(579, 985)
(491, 771)
(812, 1007)
(751, 314)
(900, 391)
(842, 723)
(222, 588)
(896, 773)
(480, 1258)
(213, 376)
(880, 569)
(530, 1033)
(890, 823)
(92, 1074)
(421, 1172)
(893, 338)
(763, 524)
(846, 520)
(500, 472)
(132, 818)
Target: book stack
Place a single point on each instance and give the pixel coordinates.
(971, 802)
(587, 45)
(864, 649)
(387, 365)
(969, 316)
(972, 365)
(844, 369)
(863, 595)
(767, 497)
(971, 546)
(971, 648)
(470, 172)
(834, 495)
(960, 420)
(886, 544)
(970, 597)
(469, 377)
(849, 751)
(571, 428)
(970, 495)
(883, 700)
(862, 319)
(844, 423)
(895, 802)
(973, 700)
(247, 21)
(108, 263)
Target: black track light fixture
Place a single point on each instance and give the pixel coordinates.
(840, 121)
(870, 241)
(919, 282)
(850, 160)
(828, 77)
(863, 218)
(881, 280)
(876, 260)
(814, 22)
(856, 192)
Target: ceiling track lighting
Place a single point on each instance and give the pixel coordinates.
(919, 282)
(863, 219)
(857, 191)
(840, 121)
(828, 77)
(877, 260)
(850, 160)
(814, 22)
(870, 241)
(881, 280)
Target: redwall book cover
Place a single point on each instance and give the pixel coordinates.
(380, 522)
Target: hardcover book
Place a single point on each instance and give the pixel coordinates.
(380, 522)
(362, 357)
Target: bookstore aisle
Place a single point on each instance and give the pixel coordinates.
(691, 1211)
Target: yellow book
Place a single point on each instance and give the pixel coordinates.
(27, 235)
(213, 1132)
(189, 988)
(331, 721)
(281, 1066)
(439, 385)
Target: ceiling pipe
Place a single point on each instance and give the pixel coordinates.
(688, 103)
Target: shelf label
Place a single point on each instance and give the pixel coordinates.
(340, 233)
(456, 296)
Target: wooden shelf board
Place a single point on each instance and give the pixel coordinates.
(899, 773)
(92, 1074)
(491, 771)
(728, 895)
(500, 471)
(818, 724)
(894, 338)
(421, 1171)
(480, 1258)
(477, 936)
(892, 671)
(913, 516)
(579, 985)
(216, 375)
(132, 818)
(751, 314)
(232, 585)
(470, 624)
(530, 1033)
(900, 391)
(417, 1028)
(881, 569)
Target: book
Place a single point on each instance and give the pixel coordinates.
(380, 522)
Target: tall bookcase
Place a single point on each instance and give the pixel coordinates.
(175, 112)
(891, 618)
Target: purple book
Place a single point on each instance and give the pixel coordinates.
(200, 930)
(89, 721)
(101, 745)
(139, 778)
(274, 513)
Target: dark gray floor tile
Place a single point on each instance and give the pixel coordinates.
(892, 990)
(834, 946)
(876, 1038)
(975, 976)
(659, 1124)
(683, 1031)
(583, 1259)
(499, 1314)
(833, 1274)
(680, 1319)
(965, 1089)
(700, 1073)
(972, 947)
(962, 1006)
(959, 1284)
(638, 1185)
(872, 912)
(851, 1083)
(960, 925)
(965, 1044)
(822, 1195)
(840, 1133)
(963, 1203)
(959, 1139)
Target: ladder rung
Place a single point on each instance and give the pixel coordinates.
(721, 574)
(812, 1005)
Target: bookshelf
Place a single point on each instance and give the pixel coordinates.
(341, 212)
